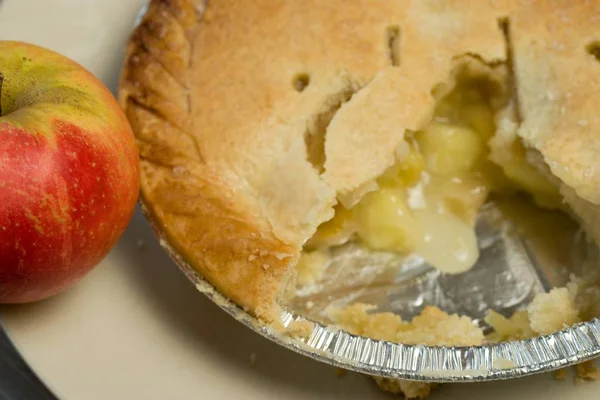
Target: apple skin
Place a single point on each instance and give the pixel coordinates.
(69, 172)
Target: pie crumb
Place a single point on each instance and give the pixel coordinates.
(432, 327)
(300, 329)
(550, 312)
(410, 389)
(586, 372)
(561, 374)
(340, 372)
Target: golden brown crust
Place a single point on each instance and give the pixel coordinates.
(193, 179)
(189, 205)
(366, 131)
(558, 84)
(233, 148)
(254, 122)
(222, 130)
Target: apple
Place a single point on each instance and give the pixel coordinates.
(69, 172)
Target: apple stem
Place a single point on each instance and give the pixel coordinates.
(1, 80)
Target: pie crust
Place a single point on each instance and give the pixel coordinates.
(238, 107)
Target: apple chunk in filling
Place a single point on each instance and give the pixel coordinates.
(427, 203)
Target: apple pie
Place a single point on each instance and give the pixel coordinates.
(272, 131)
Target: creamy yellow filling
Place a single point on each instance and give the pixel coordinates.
(427, 203)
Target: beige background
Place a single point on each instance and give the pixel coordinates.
(135, 328)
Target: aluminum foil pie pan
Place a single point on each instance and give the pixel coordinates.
(509, 273)
(328, 344)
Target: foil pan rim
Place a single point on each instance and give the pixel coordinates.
(503, 360)
(334, 346)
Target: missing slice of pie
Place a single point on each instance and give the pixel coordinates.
(272, 131)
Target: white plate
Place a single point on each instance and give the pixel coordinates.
(135, 328)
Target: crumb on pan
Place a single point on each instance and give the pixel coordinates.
(432, 327)
(553, 311)
(586, 372)
(514, 328)
(586, 291)
(300, 329)
(547, 313)
(410, 389)
(561, 374)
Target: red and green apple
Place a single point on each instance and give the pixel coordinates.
(69, 172)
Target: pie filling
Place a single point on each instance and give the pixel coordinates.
(427, 203)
